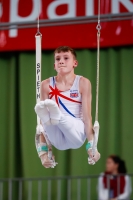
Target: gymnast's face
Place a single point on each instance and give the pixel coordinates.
(111, 166)
(65, 62)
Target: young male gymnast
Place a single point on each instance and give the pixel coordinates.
(65, 109)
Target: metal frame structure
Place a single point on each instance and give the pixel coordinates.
(28, 190)
(68, 21)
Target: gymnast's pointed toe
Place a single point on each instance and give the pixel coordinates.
(54, 111)
(39, 105)
(42, 112)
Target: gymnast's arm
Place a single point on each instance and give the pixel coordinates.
(85, 90)
(44, 95)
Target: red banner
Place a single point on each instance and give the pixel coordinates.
(113, 33)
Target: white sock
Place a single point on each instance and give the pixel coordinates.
(54, 111)
(42, 111)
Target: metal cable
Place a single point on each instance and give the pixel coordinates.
(98, 61)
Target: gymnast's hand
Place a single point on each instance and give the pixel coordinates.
(93, 158)
(46, 162)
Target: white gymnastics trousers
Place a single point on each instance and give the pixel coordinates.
(68, 134)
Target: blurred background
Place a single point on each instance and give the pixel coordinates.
(72, 23)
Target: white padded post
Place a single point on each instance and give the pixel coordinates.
(38, 70)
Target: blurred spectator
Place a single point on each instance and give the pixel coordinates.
(114, 184)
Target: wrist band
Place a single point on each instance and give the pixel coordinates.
(42, 148)
(89, 145)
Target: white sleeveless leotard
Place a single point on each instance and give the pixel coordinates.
(69, 133)
(68, 101)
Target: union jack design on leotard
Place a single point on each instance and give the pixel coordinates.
(57, 93)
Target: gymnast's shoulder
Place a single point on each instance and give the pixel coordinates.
(45, 84)
(84, 83)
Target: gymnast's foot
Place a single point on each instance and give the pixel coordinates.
(42, 111)
(54, 111)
